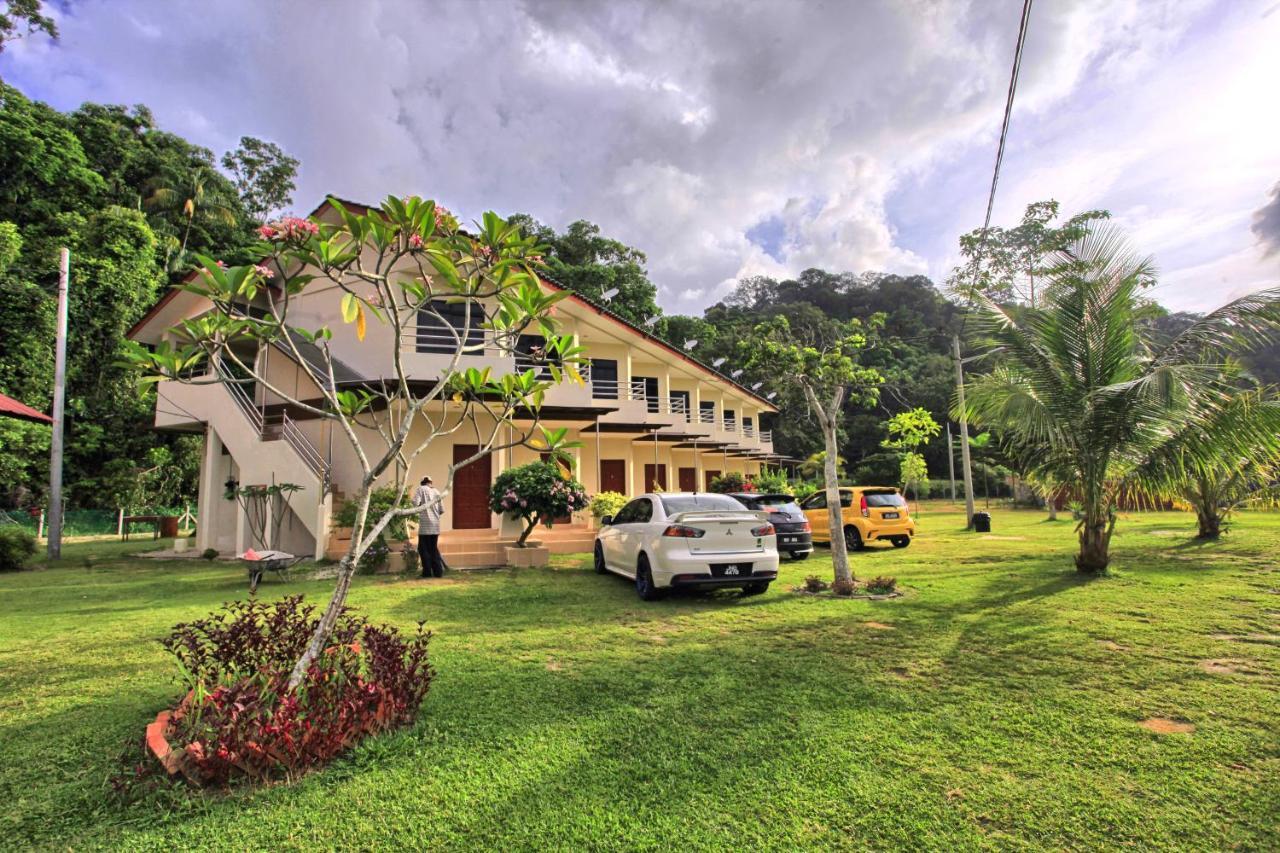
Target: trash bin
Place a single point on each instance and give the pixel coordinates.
(982, 522)
(168, 526)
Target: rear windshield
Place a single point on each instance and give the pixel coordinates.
(695, 503)
(884, 499)
(773, 503)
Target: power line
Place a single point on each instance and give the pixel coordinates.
(1008, 112)
(986, 226)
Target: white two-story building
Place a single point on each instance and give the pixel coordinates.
(649, 415)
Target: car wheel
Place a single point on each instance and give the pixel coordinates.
(901, 541)
(797, 556)
(852, 539)
(758, 588)
(644, 581)
(599, 561)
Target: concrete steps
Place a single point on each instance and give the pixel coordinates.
(471, 549)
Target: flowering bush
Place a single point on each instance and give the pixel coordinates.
(240, 718)
(607, 503)
(731, 481)
(538, 493)
(289, 230)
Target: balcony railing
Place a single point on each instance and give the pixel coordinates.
(730, 424)
(766, 436)
(748, 430)
(707, 416)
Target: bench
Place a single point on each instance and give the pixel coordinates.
(139, 519)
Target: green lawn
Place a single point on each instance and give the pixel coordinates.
(997, 705)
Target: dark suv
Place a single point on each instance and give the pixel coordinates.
(795, 537)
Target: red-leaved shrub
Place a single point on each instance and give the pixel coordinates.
(239, 717)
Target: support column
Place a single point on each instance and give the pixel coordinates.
(208, 494)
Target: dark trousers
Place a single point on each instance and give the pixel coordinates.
(429, 554)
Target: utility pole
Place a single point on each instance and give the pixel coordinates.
(59, 410)
(951, 462)
(966, 471)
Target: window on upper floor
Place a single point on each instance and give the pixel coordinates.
(444, 324)
(604, 378)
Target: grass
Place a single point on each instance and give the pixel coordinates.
(997, 705)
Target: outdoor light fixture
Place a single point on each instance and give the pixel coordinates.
(609, 294)
(736, 373)
(756, 387)
(718, 362)
(771, 395)
(690, 344)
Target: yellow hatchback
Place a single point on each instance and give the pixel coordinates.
(867, 513)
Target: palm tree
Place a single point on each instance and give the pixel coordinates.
(1229, 462)
(1082, 398)
(188, 200)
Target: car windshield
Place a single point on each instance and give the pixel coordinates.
(884, 499)
(694, 503)
(773, 503)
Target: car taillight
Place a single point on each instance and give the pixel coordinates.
(682, 531)
(806, 528)
(866, 513)
(762, 530)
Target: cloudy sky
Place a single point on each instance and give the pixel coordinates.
(732, 138)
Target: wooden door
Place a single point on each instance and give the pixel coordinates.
(471, 490)
(649, 479)
(613, 475)
(688, 479)
(710, 475)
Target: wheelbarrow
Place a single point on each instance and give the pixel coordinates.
(257, 565)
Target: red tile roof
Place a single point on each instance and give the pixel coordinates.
(11, 408)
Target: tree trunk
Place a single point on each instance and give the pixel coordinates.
(1209, 522)
(1095, 542)
(839, 553)
(346, 570)
(524, 536)
(1051, 503)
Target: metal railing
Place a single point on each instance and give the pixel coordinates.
(730, 424)
(748, 430)
(707, 416)
(243, 403)
(308, 452)
(766, 436)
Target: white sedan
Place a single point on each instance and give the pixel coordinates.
(688, 540)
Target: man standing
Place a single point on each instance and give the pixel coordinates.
(431, 508)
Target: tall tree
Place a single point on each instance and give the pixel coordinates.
(824, 372)
(181, 203)
(14, 13)
(589, 263)
(1083, 398)
(264, 176)
(1008, 264)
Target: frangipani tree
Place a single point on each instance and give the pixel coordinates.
(395, 265)
(824, 368)
(1082, 398)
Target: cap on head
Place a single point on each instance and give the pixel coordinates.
(426, 481)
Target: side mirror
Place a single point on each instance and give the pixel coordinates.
(606, 521)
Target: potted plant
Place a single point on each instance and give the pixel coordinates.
(536, 493)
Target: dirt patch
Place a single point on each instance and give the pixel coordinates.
(1166, 726)
(1224, 667)
(1166, 533)
(1252, 637)
(1112, 646)
(1003, 538)
(899, 672)
(879, 626)
(554, 665)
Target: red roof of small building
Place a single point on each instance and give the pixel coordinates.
(11, 408)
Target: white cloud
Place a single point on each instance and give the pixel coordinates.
(865, 131)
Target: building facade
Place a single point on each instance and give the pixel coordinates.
(648, 416)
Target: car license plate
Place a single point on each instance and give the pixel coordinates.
(890, 515)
